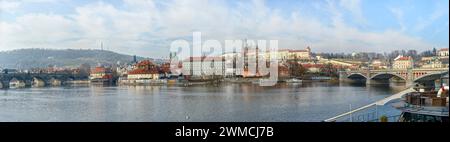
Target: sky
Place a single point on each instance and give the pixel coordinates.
(147, 27)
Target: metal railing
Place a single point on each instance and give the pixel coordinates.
(370, 117)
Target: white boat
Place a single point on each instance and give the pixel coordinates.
(267, 82)
(294, 80)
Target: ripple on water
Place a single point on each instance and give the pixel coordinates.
(305, 102)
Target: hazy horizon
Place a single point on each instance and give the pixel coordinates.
(118, 52)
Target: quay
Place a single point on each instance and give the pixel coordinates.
(379, 103)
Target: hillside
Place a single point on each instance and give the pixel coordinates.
(32, 58)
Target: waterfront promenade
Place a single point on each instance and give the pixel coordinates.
(381, 102)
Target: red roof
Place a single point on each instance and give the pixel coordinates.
(144, 63)
(444, 49)
(404, 58)
(107, 76)
(99, 70)
(165, 67)
(145, 67)
(143, 71)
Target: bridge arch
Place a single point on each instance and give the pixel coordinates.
(356, 75)
(70, 78)
(55, 81)
(386, 76)
(17, 82)
(38, 81)
(17, 78)
(431, 76)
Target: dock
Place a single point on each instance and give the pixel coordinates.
(379, 103)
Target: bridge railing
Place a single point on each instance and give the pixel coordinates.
(395, 70)
(369, 117)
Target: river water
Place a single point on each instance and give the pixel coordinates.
(304, 102)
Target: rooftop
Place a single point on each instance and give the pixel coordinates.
(99, 70)
(403, 58)
(143, 71)
(444, 49)
(144, 63)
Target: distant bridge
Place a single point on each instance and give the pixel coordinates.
(409, 76)
(37, 79)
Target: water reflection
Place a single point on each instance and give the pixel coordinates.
(228, 102)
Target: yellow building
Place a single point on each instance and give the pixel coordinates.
(378, 64)
(301, 54)
(287, 54)
(402, 62)
(434, 62)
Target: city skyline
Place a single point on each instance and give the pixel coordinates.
(146, 28)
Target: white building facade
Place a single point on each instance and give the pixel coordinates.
(204, 66)
(443, 52)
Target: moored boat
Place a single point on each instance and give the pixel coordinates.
(425, 106)
(294, 80)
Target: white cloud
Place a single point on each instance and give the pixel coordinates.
(355, 8)
(144, 29)
(37, 31)
(12, 6)
(398, 14)
(8, 6)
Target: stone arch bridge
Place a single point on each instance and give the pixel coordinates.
(409, 76)
(37, 79)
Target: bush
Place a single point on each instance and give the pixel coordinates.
(384, 118)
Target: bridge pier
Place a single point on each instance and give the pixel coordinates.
(4, 84)
(409, 83)
(343, 76)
